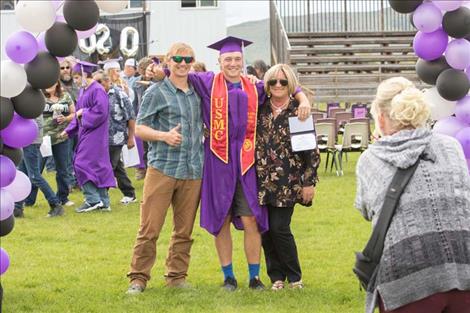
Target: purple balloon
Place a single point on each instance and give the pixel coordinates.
(20, 132)
(448, 5)
(427, 17)
(4, 261)
(463, 136)
(462, 110)
(21, 47)
(458, 54)
(7, 171)
(20, 188)
(6, 205)
(430, 46)
(41, 42)
(449, 126)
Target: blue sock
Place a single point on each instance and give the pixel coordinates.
(254, 270)
(228, 271)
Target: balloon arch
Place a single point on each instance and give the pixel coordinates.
(34, 65)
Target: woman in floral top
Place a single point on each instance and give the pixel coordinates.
(284, 177)
(58, 113)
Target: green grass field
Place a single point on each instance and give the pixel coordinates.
(78, 263)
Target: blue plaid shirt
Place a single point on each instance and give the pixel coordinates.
(164, 107)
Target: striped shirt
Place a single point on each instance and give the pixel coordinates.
(164, 107)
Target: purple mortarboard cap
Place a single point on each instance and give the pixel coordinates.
(230, 44)
(84, 66)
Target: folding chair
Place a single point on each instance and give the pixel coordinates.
(341, 119)
(359, 110)
(326, 140)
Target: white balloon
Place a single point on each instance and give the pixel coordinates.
(20, 188)
(104, 43)
(14, 79)
(88, 48)
(440, 107)
(132, 51)
(112, 6)
(35, 16)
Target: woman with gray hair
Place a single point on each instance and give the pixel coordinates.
(425, 264)
(285, 177)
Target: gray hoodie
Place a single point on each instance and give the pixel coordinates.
(427, 248)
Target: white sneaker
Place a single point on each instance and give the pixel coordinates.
(69, 203)
(105, 209)
(127, 200)
(86, 207)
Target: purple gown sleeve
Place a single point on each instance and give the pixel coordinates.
(201, 81)
(261, 92)
(93, 117)
(72, 128)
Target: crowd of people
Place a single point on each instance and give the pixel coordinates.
(221, 142)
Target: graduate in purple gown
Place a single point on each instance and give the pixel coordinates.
(229, 189)
(91, 160)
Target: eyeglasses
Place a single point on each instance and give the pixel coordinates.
(179, 59)
(273, 82)
(65, 67)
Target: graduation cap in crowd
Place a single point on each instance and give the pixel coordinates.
(81, 67)
(230, 44)
(111, 63)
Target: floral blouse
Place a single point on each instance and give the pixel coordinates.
(281, 172)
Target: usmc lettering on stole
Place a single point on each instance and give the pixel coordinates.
(219, 130)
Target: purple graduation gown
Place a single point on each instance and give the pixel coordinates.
(91, 159)
(219, 180)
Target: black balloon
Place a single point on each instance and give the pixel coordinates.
(29, 103)
(81, 15)
(6, 226)
(405, 6)
(6, 112)
(453, 84)
(61, 39)
(457, 23)
(44, 71)
(428, 71)
(13, 154)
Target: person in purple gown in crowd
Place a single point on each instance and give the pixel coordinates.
(91, 160)
(229, 189)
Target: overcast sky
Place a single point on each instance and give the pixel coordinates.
(243, 11)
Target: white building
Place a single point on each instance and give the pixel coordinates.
(196, 22)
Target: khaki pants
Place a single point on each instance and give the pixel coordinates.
(159, 192)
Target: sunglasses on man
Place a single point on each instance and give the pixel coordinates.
(65, 67)
(179, 59)
(273, 82)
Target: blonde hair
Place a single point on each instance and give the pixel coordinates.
(288, 72)
(401, 102)
(178, 48)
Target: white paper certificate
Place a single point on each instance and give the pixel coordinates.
(303, 142)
